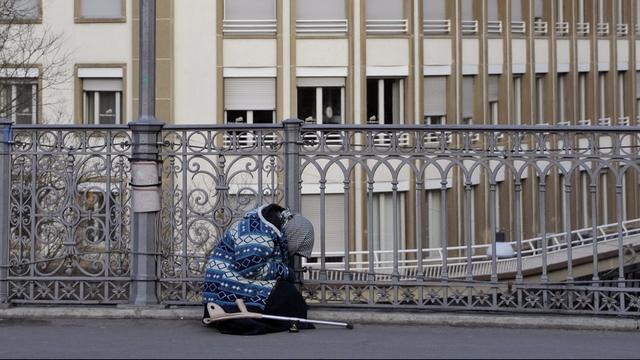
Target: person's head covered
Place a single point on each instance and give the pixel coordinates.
(298, 231)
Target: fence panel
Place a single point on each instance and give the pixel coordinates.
(69, 215)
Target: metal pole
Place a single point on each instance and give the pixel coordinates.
(5, 212)
(147, 60)
(292, 181)
(145, 172)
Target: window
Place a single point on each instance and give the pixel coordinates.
(102, 9)
(19, 10)
(321, 100)
(468, 83)
(494, 25)
(434, 219)
(102, 101)
(582, 94)
(385, 16)
(250, 100)
(333, 224)
(19, 100)
(580, 10)
(562, 26)
(434, 9)
(539, 18)
(493, 98)
(469, 21)
(602, 21)
(539, 100)
(638, 94)
(435, 100)
(249, 16)
(559, 10)
(385, 99)
(517, 22)
(622, 119)
(516, 97)
(435, 17)
(561, 92)
(602, 97)
(327, 16)
(384, 212)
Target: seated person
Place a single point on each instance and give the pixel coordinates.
(251, 263)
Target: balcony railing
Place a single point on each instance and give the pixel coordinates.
(624, 121)
(437, 26)
(494, 27)
(606, 121)
(602, 29)
(518, 27)
(321, 26)
(387, 26)
(562, 28)
(540, 27)
(622, 29)
(469, 27)
(583, 28)
(244, 27)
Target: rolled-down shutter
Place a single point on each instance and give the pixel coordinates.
(250, 94)
(492, 88)
(435, 95)
(467, 96)
(89, 84)
(334, 220)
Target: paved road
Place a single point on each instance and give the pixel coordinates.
(180, 339)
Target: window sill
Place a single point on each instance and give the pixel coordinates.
(99, 21)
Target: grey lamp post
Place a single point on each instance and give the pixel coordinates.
(145, 172)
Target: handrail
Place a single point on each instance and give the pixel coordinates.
(477, 250)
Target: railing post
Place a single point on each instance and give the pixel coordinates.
(5, 208)
(146, 179)
(292, 198)
(146, 189)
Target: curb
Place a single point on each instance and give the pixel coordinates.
(564, 322)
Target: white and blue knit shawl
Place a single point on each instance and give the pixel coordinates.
(246, 263)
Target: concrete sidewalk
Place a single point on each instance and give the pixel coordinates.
(391, 317)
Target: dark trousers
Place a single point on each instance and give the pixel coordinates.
(285, 300)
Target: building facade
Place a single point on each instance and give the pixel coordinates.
(418, 62)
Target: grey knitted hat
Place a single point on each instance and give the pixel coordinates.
(299, 233)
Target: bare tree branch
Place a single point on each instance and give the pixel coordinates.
(31, 58)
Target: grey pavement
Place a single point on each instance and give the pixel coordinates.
(153, 338)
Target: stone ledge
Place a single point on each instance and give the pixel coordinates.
(567, 322)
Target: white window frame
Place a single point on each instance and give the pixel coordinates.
(16, 15)
(122, 15)
(319, 111)
(602, 96)
(96, 106)
(561, 104)
(539, 103)
(517, 100)
(380, 116)
(621, 96)
(12, 86)
(582, 94)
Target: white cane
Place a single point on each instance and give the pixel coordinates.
(216, 313)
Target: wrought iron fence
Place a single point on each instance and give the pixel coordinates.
(69, 215)
(523, 219)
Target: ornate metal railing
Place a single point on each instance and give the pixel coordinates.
(374, 193)
(69, 214)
